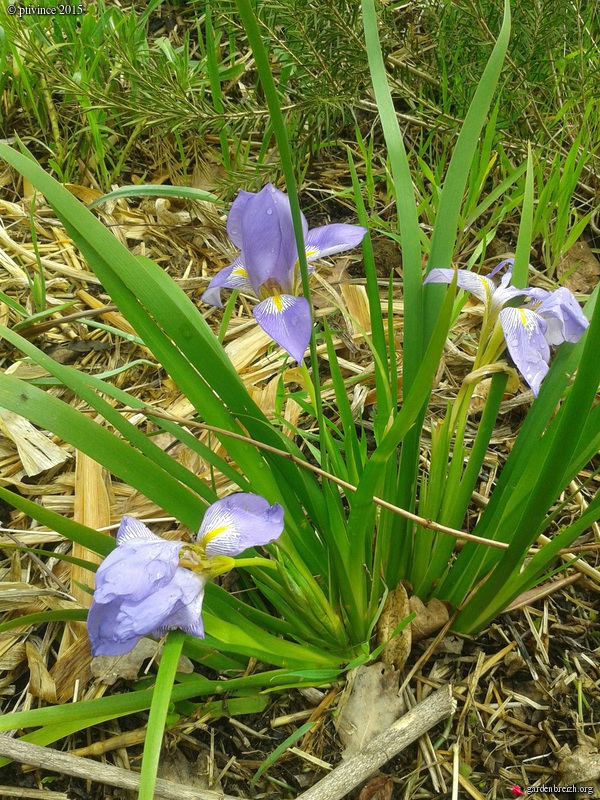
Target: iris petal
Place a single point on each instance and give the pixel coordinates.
(566, 321)
(234, 218)
(184, 603)
(268, 239)
(288, 322)
(115, 628)
(232, 277)
(132, 528)
(524, 332)
(237, 522)
(105, 638)
(118, 575)
(329, 239)
(479, 285)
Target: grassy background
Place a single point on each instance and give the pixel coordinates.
(170, 90)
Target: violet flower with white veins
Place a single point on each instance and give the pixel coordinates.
(543, 318)
(148, 585)
(260, 225)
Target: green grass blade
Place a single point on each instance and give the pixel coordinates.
(42, 617)
(156, 190)
(405, 199)
(272, 758)
(521, 265)
(158, 713)
(382, 379)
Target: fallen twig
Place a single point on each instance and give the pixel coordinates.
(54, 761)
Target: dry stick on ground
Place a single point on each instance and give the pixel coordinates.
(54, 761)
(342, 780)
(31, 794)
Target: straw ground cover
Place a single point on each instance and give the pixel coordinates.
(536, 663)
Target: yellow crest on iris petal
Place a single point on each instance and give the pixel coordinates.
(210, 535)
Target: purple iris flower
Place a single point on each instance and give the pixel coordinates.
(148, 585)
(542, 319)
(260, 225)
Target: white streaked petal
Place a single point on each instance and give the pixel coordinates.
(479, 285)
(288, 322)
(524, 331)
(132, 528)
(330, 239)
(232, 277)
(235, 523)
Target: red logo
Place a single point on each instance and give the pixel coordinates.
(517, 791)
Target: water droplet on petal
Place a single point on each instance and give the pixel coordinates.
(269, 211)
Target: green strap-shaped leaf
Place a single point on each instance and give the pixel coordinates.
(113, 453)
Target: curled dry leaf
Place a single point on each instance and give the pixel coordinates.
(579, 766)
(378, 788)
(395, 609)
(369, 705)
(71, 671)
(430, 618)
(40, 682)
(110, 669)
(581, 268)
(482, 390)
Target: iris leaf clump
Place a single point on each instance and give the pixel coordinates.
(351, 519)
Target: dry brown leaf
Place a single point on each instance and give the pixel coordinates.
(12, 652)
(585, 268)
(41, 683)
(580, 766)
(395, 609)
(357, 304)
(110, 669)
(369, 705)
(175, 767)
(482, 390)
(379, 788)
(430, 617)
